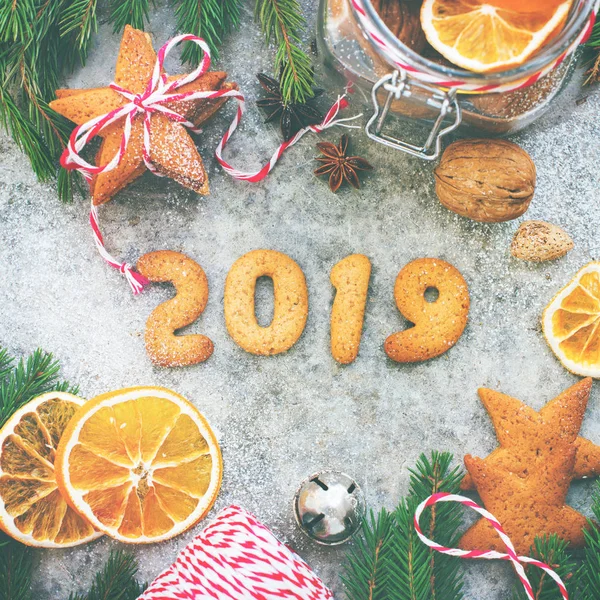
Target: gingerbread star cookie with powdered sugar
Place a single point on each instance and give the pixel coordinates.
(172, 150)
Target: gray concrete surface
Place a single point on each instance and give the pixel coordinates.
(281, 418)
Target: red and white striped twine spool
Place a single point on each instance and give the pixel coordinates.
(398, 60)
(510, 555)
(157, 93)
(236, 557)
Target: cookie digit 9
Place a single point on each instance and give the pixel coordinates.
(290, 302)
(437, 325)
(350, 277)
(164, 347)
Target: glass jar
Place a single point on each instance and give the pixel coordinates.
(345, 46)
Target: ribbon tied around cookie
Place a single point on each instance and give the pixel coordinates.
(159, 92)
(510, 555)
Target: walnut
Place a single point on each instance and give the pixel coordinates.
(403, 18)
(486, 180)
(538, 241)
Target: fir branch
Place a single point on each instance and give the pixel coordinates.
(16, 19)
(593, 44)
(231, 12)
(553, 551)
(6, 363)
(128, 12)
(389, 561)
(282, 22)
(57, 35)
(79, 19)
(116, 581)
(368, 560)
(27, 380)
(16, 565)
(412, 569)
(441, 522)
(208, 19)
(26, 136)
(589, 573)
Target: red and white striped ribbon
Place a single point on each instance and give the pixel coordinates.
(510, 555)
(398, 60)
(236, 557)
(157, 93)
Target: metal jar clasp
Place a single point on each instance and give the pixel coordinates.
(399, 85)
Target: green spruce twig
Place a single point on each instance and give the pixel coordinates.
(39, 41)
(593, 73)
(16, 566)
(552, 551)
(283, 23)
(79, 18)
(116, 581)
(589, 573)
(364, 574)
(389, 561)
(37, 375)
(208, 19)
(128, 12)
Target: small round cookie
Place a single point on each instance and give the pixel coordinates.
(437, 325)
(164, 347)
(290, 302)
(350, 277)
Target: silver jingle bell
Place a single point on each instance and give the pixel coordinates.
(329, 507)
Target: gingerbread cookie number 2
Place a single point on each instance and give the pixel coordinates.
(290, 302)
(437, 325)
(163, 346)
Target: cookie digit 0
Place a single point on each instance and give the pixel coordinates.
(350, 277)
(290, 302)
(164, 347)
(437, 325)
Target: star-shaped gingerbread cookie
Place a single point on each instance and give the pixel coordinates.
(524, 483)
(587, 455)
(172, 150)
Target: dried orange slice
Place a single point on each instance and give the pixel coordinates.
(32, 509)
(141, 464)
(571, 323)
(491, 35)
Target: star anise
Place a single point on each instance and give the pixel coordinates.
(338, 165)
(293, 116)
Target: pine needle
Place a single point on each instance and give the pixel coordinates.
(283, 23)
(39, 41)
(553, 551)
(80, 19)
(37, 375)
(6, 363)
(208, 19)
(589, 574)
(593, 44)
(128, 12)
(388, 561)
(116, 581)
(16, 566)
(368, 560)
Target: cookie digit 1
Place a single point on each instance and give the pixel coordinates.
(164, 347)
(437, 325)
(350, 277)
(290, 302)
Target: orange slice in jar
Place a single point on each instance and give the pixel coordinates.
(571, 323)
(141, 464)
(491, 35)
(32, 509)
